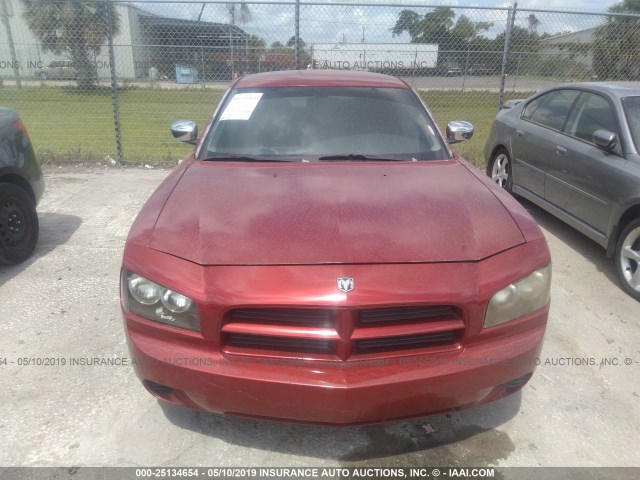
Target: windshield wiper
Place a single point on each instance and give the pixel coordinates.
(243, 158)
(357, 156)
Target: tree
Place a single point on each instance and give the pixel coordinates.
(240, 14)
(533, 23)
(616, 45)
(439, 26)
(292, 42)
(77, 30)
(524, 47)
(433, 27)
(256, 43)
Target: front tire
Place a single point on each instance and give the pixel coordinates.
(19, 226)
(627, 258)
(500, 169)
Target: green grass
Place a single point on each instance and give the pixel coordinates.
(66, 125)
(70, 126)
(477, 107)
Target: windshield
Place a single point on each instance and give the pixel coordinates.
(339, 123)
(632, 111)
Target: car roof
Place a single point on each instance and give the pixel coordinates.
(617, 90)
(320, 78)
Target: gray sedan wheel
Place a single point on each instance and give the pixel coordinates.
(500, 169)
(628, 259)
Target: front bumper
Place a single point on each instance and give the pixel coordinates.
(190, 368)
(335, 394)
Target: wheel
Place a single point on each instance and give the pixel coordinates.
(43, 75)
(628, 258)
(18, 224)
(500, 169)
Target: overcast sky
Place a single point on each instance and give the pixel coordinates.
(334, 23)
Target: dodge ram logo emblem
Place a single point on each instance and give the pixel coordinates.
(345, 284)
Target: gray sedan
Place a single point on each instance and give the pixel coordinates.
(574, 150)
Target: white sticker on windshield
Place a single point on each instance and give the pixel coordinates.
(241, 106)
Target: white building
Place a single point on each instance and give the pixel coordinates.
(574, 47)
(145, 41)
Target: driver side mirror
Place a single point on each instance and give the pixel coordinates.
(459, 131)
(604, 139)
(185, 131)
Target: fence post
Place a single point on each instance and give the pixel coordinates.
(114, 83)
(231, 25)
(515, 77)
(12, 47)
(466, 68)
(297, 34)
(511, 18)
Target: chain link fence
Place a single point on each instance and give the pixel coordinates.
(101, 81)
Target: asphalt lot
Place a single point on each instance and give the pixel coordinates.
(63, 303)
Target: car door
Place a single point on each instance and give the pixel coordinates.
(579, 172)
(535, 137)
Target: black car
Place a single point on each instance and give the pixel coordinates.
(574, 150)
(21, 187)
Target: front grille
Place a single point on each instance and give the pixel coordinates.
(341, 334)
(296, 344)
(409, 341)
(404, 314)
(283, 315)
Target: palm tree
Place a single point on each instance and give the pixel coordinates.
(74, 29)
(534, 23)
(244, 17)
(243, 13)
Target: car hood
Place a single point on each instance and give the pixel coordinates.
(320, 213)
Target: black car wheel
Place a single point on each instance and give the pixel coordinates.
(18, 224)
(628, 258)
(500, 169)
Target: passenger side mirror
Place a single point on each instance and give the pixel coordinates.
(459, 131)
(185, 131)
(604, 139)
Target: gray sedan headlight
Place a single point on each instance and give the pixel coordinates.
(519, 298)
(160, 304)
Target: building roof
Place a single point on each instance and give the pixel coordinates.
(569, 35)
(171, 27)
(320, 78)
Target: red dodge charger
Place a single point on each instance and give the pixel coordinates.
(323, 257)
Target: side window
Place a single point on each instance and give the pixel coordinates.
(532, 106)
(593, 112)
(551, 110)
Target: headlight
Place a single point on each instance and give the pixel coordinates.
(519, 298)
(144, 291)
(160, 304)
(175, 302)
